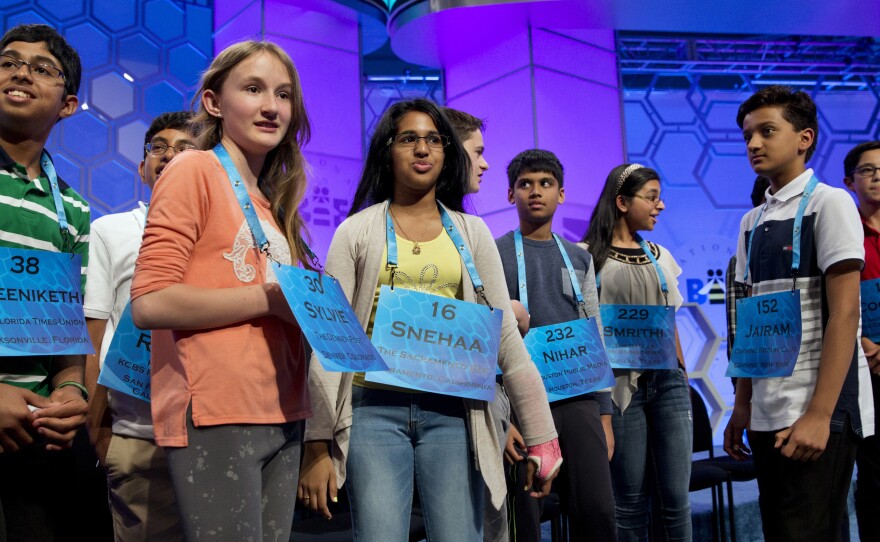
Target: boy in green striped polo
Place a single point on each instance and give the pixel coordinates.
(39, 79)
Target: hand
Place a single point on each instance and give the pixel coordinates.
(16, 418)
(59, 422)
(544, 462)
(874, 364)
(99, 423)
(806, 439)
(278, 305)
(514, 439)
(317, 479)
(101, 444)
(733, 433)
(522, 316)
(609, 434)
(872, 350)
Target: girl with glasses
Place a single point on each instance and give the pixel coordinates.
(228, 362)
(379, 439)
(651, 418)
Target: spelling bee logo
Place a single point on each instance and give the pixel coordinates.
(711, 290)
(705, 261)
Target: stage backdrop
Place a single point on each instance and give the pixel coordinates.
(139, 59)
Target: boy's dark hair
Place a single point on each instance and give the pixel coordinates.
(797, 108)
(853, 156)
(57, 45)
(759, 189)
(463, 123)
(534, 161)
(175, 120)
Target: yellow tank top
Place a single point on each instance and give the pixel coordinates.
(436, 270)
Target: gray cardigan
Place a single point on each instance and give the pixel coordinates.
(355, 258)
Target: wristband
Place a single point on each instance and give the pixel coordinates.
(76, 385)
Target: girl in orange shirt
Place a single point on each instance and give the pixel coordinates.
(229, 375)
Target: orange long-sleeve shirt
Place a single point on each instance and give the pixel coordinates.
(253, 372)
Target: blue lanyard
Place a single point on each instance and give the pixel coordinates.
(521, 271)
(796, 233)
(49, 169)
(244, 201)
(457, 240)
(660, 275)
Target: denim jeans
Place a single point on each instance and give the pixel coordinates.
(652, 458)
(398, 437)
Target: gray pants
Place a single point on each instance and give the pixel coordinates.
(495, 521)
(237, 482)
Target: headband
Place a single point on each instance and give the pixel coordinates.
(626, 173)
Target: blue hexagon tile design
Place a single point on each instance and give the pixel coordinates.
(116, 15)
(113, 95)
(92, 43)
(140, 58)
(114, 185)
(130, 141)
(185, 62)
(165, 19)
(63, 10)
(85, 136)
(163, 96)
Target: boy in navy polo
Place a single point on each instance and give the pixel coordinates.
(803, 428)
(583, 422)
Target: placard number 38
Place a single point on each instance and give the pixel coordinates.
(31, 265)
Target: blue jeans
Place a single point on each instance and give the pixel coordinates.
(652, 458)
(397, 437)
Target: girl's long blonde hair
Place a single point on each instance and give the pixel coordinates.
(283, 178)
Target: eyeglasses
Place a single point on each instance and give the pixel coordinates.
(434, 141)
(653, 200)
(866, 172)
(45, 72)
(159, 149)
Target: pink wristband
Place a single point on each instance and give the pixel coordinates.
(547, 457)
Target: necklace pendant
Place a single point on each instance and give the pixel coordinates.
(416, 249)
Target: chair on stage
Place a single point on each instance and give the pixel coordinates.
(738, 471)
(706, 475)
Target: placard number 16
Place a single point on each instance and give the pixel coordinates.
(446, 311)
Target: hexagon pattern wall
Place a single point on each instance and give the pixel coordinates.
(140, 58)
(691, 138)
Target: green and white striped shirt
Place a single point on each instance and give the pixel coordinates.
(28, 220)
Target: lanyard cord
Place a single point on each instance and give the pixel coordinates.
(457, 240)
(521, 271)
